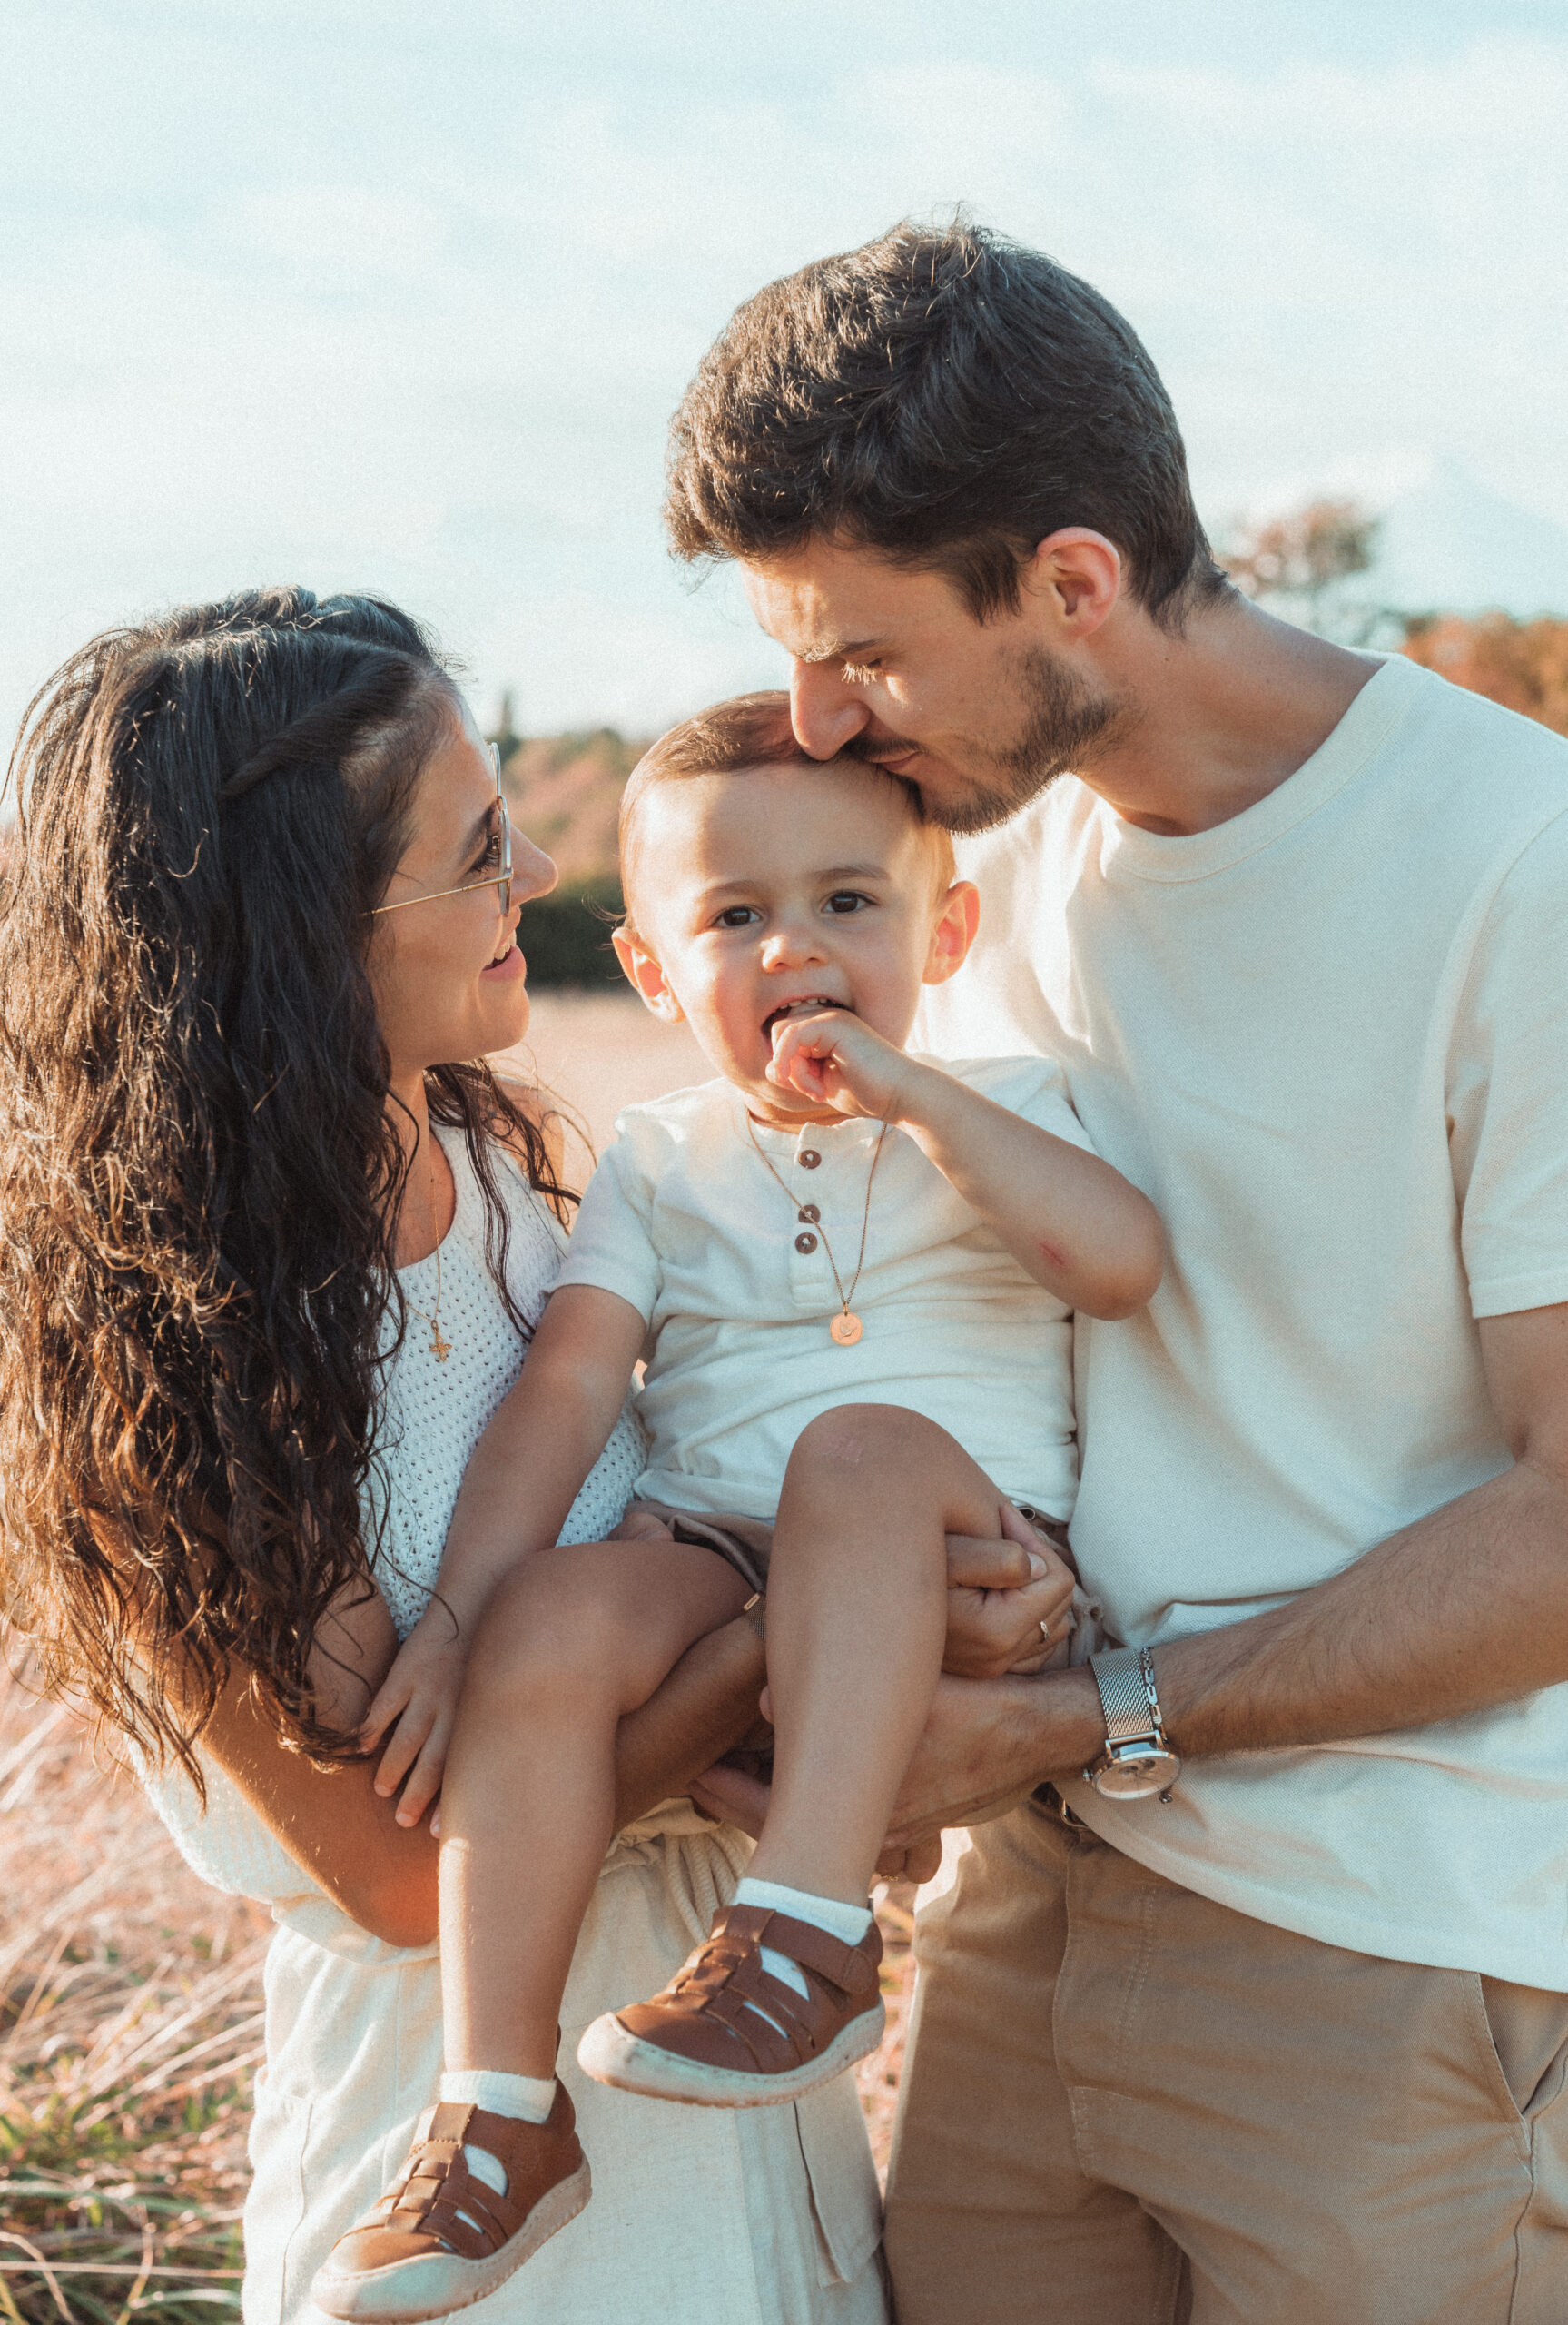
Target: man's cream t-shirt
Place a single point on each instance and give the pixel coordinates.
(1329, 1039)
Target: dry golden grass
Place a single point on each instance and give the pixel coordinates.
(130, 2020)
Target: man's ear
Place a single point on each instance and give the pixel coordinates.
(645, 974)
(1079, 573)
(957, 917)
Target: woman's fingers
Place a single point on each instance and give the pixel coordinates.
(735, 1798)
(424, 1779)
(403, 1748)
(915, 1861)
(923, 1859)
(988, 1631)
(389, 1698)
(976, 1564)
(641, 1525)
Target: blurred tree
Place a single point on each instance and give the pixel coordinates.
(1522, 664)
(565, 794)
(505, 736)
(1307, 557)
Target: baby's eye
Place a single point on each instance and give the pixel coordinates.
(737, 917)
(843, 901)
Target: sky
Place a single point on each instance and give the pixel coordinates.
(400, 296)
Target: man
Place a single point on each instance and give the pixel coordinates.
(1265, 2018)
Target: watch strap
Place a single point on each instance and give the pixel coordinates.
(1123, 1695)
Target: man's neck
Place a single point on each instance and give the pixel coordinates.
(1218, 716)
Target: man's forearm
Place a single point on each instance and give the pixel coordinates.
(1466, 1609)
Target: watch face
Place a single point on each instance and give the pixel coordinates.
(1136, 1775)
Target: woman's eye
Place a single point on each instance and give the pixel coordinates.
(860, 674)
(846, 900)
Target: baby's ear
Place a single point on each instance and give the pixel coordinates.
(646, 974)
(952, 933)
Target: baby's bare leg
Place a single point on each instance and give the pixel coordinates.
(857, 1614)
(575, 1639)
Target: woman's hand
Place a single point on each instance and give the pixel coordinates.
(998, 1596)
(417, 1700)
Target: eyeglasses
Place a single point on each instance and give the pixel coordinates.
(500, 879)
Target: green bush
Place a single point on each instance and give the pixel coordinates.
(565, 937)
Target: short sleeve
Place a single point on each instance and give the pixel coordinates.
(1032, 1087)
(611, 1246)
(1508, 1089)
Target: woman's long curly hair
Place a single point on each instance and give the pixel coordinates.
(199, 1174)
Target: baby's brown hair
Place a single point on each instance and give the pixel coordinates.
(738, 736)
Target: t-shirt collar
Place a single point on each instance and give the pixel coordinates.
(1383, 702)
(828, 1138)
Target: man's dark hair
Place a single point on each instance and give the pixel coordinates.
(947, 399)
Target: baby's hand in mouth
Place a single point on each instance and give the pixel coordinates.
(828, 1055)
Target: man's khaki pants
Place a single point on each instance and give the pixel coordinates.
(1125, 2105)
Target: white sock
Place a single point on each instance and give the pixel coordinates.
(848, 1923)
(528, 2096)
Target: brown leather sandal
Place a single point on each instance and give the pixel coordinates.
(725, 2032)
(439, 2239)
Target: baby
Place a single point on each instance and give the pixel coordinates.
(850, 1273)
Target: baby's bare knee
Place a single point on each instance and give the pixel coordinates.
(863, 1447)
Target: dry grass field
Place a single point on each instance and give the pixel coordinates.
(130, 1995)
(129, 2022)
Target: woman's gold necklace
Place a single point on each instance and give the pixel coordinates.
(846, 1328)
(439, 1349)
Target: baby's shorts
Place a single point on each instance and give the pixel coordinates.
(744, 1543)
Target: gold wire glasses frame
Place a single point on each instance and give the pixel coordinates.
(500, 880)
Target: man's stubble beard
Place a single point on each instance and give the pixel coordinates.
(1064, 722)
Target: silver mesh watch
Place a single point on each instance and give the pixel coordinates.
(1137, 1758)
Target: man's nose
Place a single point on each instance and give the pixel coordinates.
(824, 712)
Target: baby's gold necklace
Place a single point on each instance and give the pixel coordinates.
(846, 1328)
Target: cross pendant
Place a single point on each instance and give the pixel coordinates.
(439, 1349)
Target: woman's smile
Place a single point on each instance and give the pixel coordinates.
(505, 967)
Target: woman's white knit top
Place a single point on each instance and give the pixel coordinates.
(432, 1413)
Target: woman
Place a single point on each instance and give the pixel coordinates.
(270, 1245)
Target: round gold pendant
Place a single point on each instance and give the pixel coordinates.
(846, 1328)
